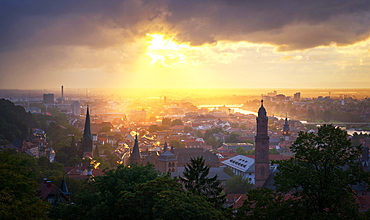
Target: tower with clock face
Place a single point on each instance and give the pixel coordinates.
(261, 162)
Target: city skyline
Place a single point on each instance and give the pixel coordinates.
(190, 44)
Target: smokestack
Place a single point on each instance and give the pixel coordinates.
(62, 94)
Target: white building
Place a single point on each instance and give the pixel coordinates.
(241, 165)
(76, 108)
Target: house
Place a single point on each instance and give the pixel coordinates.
(183, 156)
(243, 166)
(51, 193)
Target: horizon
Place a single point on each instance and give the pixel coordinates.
(179, 93)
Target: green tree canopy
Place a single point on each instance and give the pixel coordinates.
(240, 151)
(237, 185)
(233, 138)
(321, 173)
(15, 122)
(196, 180)
(266, 204)
(318, 181)
(138, 192)
(18, 188)
(166, 121)
(176, 144)
(177, 122)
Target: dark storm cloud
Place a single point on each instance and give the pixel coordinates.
(274, 22)
(44, 22)
(289, 24)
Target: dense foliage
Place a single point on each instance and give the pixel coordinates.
(238, 185)
(196, 180)
(137, 192)
(319, 179)
(15, 122)
(18, 187)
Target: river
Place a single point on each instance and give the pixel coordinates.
(237, 108)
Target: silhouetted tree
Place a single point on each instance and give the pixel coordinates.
(196, 180)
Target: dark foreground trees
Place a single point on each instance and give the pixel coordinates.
(137, 192)
(319, 179)
(18, 187)
(196, 180)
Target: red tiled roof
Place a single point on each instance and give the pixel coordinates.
(47, 189)
(273, 157)
(177, 127)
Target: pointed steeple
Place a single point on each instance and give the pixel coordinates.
(165, 147)
(286, 129)
(64, 188)
(87, 139)
(87, 129)
(135, 156)
(262, 110)
(261, 148)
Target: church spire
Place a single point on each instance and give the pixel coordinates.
(286, 129)
(135, 156)
(87, 139)
(262, 110)
(261, 148)
(87, 129)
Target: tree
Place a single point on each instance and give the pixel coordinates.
(265, 204)
(311, 114)
(177, 144)
(105, 129)
(101, 198)
(321, 174)
(188, 129)
(233, 138)
(18, 188)
(138, 192)
(166, 121)
(273, 151)
(153, 128)
(15, 122)
(326, 116)
(177, 122)
(237, 185)
(228, 171)
(191, 206)
(240, 151)
(164, 199)
(196, 180)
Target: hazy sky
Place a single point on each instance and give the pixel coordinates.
(185, 44)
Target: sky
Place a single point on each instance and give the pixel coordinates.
(184, 44)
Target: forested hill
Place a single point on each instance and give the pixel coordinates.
(15, 122)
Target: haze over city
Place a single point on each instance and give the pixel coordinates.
(184, 44)
(185, 109)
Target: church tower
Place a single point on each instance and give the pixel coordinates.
(87, 139)
(286, 130)
(261, 162)
(135, 156)
(167, 161)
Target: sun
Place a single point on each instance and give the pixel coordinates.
(164, 50)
